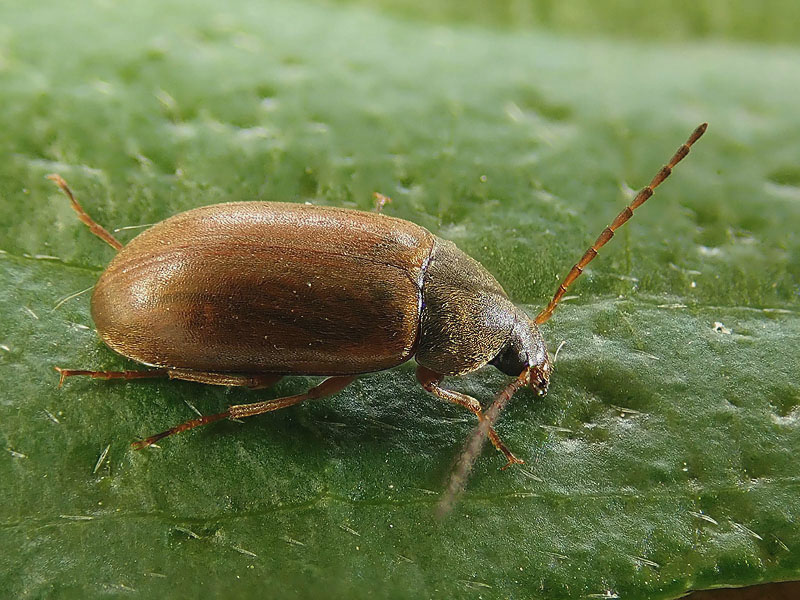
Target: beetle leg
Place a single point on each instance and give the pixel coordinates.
(380, 201)
(328, 387)
(152, 374)
(94, 227)
(430, 380)
(254, 382)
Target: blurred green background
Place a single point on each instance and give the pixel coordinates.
(770, 21)
(662, 460)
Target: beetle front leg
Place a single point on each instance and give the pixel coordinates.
(328, 387)
(430, 380)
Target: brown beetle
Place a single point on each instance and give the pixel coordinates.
(245, 293)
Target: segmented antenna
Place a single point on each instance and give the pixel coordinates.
(618, 222)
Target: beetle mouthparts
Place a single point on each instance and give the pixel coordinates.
(539, 378)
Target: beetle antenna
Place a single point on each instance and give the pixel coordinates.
(94, 227)
(618, 222)
(474, 444)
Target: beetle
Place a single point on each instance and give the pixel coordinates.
(242, 294)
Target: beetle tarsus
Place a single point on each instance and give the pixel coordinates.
(253, 382)
(152, 374)
(141, 444)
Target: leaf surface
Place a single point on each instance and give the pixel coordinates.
(663, 458)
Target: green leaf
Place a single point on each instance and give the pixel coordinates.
(662, 460)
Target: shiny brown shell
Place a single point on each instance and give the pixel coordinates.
(264, 287)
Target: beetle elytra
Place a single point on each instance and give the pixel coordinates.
(246, 293)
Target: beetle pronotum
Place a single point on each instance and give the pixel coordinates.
(246, 293)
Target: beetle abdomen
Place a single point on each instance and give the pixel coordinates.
(269, 288)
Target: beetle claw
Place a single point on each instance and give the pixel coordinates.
(142, 444)
(61, 375)
(512, 460)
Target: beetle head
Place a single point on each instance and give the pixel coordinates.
(525, 355)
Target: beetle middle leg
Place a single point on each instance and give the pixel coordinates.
(430, 380)
(328, 387)
(253, 382)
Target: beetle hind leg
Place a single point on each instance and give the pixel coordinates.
(93, 226)
(328, 387)
(254, 382)
(152, 374)
(431, 380)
